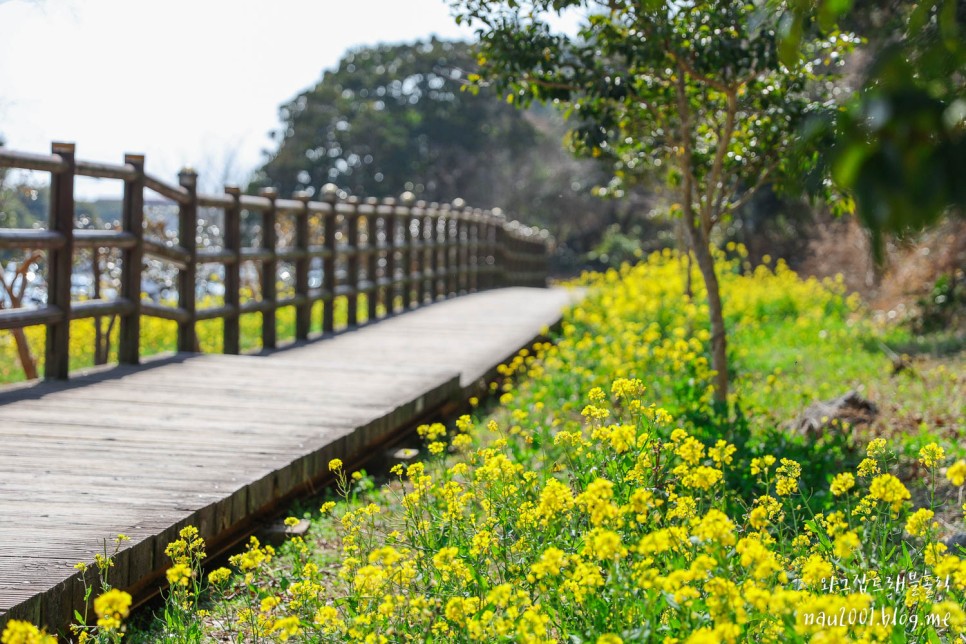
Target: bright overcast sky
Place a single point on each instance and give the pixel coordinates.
(186, 82)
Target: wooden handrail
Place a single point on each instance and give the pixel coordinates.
(413, 253)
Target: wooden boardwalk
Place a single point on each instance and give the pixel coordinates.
(215, 440)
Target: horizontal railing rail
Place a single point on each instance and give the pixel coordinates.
(398, 253)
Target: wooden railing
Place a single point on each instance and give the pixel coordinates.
(414, 253)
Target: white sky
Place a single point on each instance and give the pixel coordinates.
(185, 82)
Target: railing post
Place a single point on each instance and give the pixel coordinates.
(440, 248)
(352, 261)
(545, 248)
(473, 250)
(407, 244)
(498, 247)
(372, 264)
(454, 248)
(419, 244)
(390, 225)
(188, 239)
(60, 264)
(330, 193)
(232, 329)
(303, 310)
(487, 261)
(269, 271)
(132, 221)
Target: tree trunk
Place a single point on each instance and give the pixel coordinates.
(719, 349)
(26, 358)
(682, 236)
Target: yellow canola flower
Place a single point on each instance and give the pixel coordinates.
(957, 473)
(551, 562)
(918, 523)
(22, 632)
(931, 454)
(876, 448)
(179, 575)
(868, 467)
(842, 483)
(287, 627)
(889, 489)
(219, 576)
(610, 638)
(787, 473)
(714, 526)
(759, 465)
(595, 500)
(111, 608)
(845, 544)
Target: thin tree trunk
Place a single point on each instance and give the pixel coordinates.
(685, 248)
(719, 349)
(26, 358)
(698, 236)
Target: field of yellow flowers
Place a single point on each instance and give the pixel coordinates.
(604, 500)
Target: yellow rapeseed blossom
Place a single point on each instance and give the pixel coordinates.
(889, 489)
(21, 632)
(876, 448)
(610, 638)
(931, 455)
(957, 473)
(111, 608)
(842, 483)
(918, 523)
(816, 570)
(551, 562)
(845, 544)
(868, 467)
(219, 576)
(179, 574)
(787, 473)
(759, 465)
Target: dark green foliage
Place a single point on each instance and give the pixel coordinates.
(899, 146)
(393, 118)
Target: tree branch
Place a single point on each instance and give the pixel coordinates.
(687, 205)
(691, 71)
(550, 84)
(724, 140)
(748, 194)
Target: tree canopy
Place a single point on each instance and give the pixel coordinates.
(392, 118)
(694, 92)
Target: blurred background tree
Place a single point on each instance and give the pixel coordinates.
(392, 118)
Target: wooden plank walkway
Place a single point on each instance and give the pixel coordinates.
(214, 440)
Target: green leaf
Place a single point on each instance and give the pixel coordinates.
(845, 169)
(790, 44)
(948, 26)
(920, 16)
